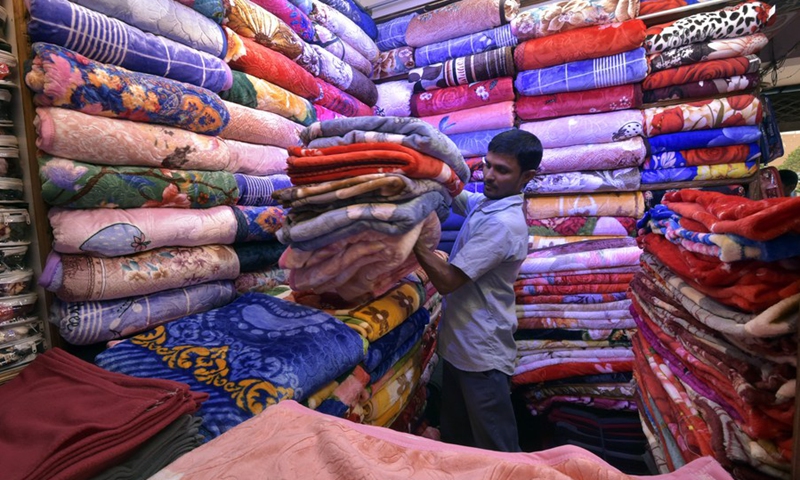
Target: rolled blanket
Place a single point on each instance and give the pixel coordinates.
(394, 98)
(71, 184)
(607, 99)
(466, 45)
(710, 70)
(260, 94)
(293, 16)
(84, 323)
(462, 97)
(571, 226)
(257, 191)
(494, 116)
(394, 62)
(167, 19)
(409, 132)
(475, 144)
(344, 28)
(108, 141)
(620, 69)
(62, 78)
(341, 49)
(112, 41)
(704, 156)
(715, 137)
(703, 88)
(711, 50)
(622, 180)
(587, 129)
(354, 12)
(257, 159)
(738, 21)
(340, 102)
(581, 44)
(78, 278)
(392, 34)
(702, 172)
(213, 9)
(117, 232)
(732, 111)
(338, 73)
(567, 15)
(603, 156)
(312, 165)
(464, 70)
(254, 22)
(324, 114)
(259, 127)
(262, 62)
(458, 19)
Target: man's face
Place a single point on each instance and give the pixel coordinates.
(502, 176)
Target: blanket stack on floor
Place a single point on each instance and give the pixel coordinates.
(716, 304)
(154, 216)
(65, 418)
(707, 61)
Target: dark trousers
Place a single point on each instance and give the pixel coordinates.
(477, 410)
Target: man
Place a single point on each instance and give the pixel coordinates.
(476, 341)
(788, 181)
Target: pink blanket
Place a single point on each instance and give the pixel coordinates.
(487, 117)
(612, 257)
(262, 128)
(253, 159)
(603, 156)
(587, 129)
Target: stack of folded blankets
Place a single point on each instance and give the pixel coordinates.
(65, 418)
(716, 305)
(707, 62)
(159, 186)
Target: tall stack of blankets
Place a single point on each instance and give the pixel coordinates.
(716, 305)
(702, 122)
(159, 187)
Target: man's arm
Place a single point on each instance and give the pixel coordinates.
(445, 277)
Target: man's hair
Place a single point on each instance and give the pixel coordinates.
(522, 145)
(788, 178)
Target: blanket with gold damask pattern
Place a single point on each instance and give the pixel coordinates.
(247, 355)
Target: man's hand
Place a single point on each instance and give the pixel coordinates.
(445, 277)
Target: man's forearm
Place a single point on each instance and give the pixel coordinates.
(445, 277)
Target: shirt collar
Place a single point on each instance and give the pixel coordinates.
(491, 206)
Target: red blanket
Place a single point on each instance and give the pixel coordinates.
(572, 369)
(269, 65)
(451, 99)
(710, 70)
(577, 103)
(340, 102)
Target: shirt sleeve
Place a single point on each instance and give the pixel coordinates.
(464, 202)
(484, 250)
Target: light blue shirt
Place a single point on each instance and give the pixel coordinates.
(476, 333)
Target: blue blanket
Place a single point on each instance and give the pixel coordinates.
(466, 45)
(703, 172)
(678, 159)
(475, 144)
(111, 41)
(257, 191)
(620, 69)
(387, 350)
(246, 355)
(715, 137)
(392, 34)
(352, 11)
(213, 9)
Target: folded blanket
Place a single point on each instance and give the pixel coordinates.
(387, 350)
(621, 180)
(704, 156)
(612, 257)
(565, 226)
(708, 70)
(84, 323)
(703, 88)
(392, 34)
(342, 50)
(258, 256)
(702, 172)
(586, 130)
(608, 71)
(602, 156)
(260, 94)
(564, 16)
(167, 19)
(76, 278)
(451, 99)
(494, 116)
(256, 191)
(715, 137)
(572, 298)
(593, 205)
(324, 114)
(757, 220)
(581, 44)
(598, 100)
(732, 111)
(409, 132)
(71, 184)
(341, 75)
(62, 78)
(344, 28)
(394, 99)
(292, 14)
(257, 159)
(112, 41)
(354, 12)
(525, 292)
(260, 127)
(467, 45)
(267, 350)
(710, 50)
(341, 102)
(266, 64)
(536, 242)
(267, 281)
(475, 144)
(394, 62)
(464, 70)
(459, 19)
(560, 368)
(731, 22)
(116, 232)
(525, 311)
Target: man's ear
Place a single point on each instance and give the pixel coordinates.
(527, 176)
